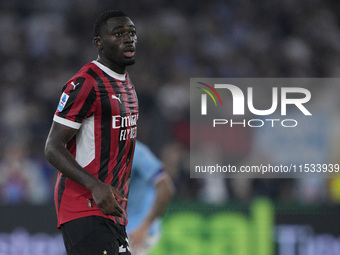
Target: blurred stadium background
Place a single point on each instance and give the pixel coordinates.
(44, 42)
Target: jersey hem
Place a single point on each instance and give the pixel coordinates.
(83, 215)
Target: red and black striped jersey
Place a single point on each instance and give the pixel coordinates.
(103, 106)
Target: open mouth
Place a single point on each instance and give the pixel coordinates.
(129, 52)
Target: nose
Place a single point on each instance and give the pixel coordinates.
(127, 38)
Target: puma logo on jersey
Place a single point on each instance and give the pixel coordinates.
(74, 85)
(118, 98)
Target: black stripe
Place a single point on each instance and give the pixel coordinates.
(129, 158)
(61, 189)
(86, 106)
(131, 151)
(105, 126)
(115, 182)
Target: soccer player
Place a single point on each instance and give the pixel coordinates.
(92, 140)
(151, 189)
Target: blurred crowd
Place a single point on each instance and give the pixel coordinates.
(44, 42)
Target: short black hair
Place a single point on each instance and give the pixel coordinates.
(102, 18)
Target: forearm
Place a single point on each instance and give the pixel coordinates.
(62, 160)
(165, 191)
(57, 154)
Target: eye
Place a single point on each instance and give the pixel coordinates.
(132, 33)
(118, 34)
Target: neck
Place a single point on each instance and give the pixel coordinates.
(114, 67)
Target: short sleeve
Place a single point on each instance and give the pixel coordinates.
(75, 103)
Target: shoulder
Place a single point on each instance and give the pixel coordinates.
(87, 72)
(83, 78)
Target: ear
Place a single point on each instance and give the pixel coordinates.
(98, 42)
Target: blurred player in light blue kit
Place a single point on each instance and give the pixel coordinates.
(151, 189)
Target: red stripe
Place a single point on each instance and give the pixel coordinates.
(122, 169)
(113, 143)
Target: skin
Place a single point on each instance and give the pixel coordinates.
(164, 192)
(116, 42)
(117, 37)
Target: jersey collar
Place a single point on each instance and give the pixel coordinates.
(107, 70)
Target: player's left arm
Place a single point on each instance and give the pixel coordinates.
(164, 192)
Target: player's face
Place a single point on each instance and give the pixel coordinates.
(117, 43)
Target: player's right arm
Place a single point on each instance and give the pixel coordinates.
(58, 155)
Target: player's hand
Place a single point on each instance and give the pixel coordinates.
(137, 238)
(104, 196)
